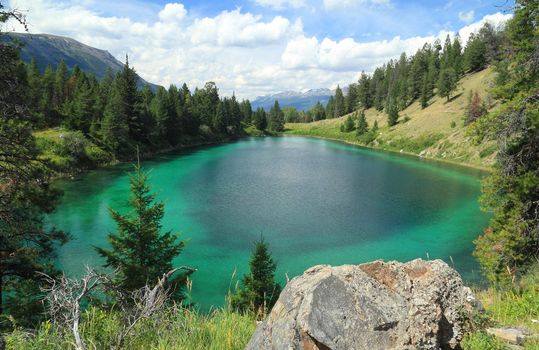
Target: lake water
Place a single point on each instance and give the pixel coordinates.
(314, 201)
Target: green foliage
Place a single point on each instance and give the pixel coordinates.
(348, 125)
(26, 246)
(362, 126)
(453, 124)
(175, 328)
(260, 119)
(510, 245)
(475, 53)
(276, 118)
(392, 115)
(447, 82)
(259, 291)
(139, 251)
(481, 341)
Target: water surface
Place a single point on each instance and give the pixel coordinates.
(315, 202)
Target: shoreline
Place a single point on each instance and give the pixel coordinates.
(415, 155)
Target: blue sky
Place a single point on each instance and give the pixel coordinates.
(254, 47)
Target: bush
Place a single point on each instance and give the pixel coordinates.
(97, 155)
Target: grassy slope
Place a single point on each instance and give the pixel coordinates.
(428, 132)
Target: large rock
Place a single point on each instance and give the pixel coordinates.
(378, 305)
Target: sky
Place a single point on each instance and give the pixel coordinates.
(259, 47)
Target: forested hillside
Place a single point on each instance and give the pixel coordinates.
(52, 49)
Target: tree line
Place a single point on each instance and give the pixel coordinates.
(433, 69)
(119, 117)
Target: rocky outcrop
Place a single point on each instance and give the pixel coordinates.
(378, 305)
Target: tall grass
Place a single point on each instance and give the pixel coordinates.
(174, 328)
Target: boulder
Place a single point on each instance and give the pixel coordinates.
(378, 305)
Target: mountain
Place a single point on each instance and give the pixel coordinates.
(50, 49)
(301, 100)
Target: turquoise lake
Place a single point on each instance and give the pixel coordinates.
(314, 201)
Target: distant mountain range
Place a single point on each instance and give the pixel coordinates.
(50, 49)
(301, 100)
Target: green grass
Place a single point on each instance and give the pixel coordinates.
(436, 132)
(517, 307)
(175, 328)
(69, 151)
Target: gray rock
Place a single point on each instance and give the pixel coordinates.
(515, 336)
(372, 306)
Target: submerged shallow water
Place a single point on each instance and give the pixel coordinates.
(314, 201)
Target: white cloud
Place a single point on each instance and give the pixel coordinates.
(497, 20)
(172, 12)
(467, 17)
(281, 4)
(233, 28)
(240, 51)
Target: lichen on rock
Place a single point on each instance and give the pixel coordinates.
(377, 305)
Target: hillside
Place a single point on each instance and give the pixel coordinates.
(51, 49)
(428, 132)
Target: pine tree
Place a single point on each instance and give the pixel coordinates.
(34, 85)
(139, 250)
(364, 91)
(259, 119)
(375, 127)
(348, 125)
(47, 96)
(362, 125)
(447, 83)
(318, 112)
(259, 290)
(26, 245)
(60, 81)
(339, 103)
(475, 54)
(114, 128)
(276, 118)
(392, 114)
(330, 108)
(426, 92)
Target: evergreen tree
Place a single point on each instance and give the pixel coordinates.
(34, 85)
(47, 97)
(348, 125)
(339, 103)
(246, 111)
(447, 83)
(364, 91)
(259, 290)
(139, 250)
(362, 125)
(276, 118)
(260, 119)
(426, 92)
(60, 81)
(510, 245)
(392, 114)
(114, 127)
(26, 245)
(475, 54)
(375, 127)
(330, 108)
(318, 112)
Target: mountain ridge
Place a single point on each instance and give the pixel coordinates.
(51, 49)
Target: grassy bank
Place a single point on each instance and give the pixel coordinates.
(175, 328)
(437, 131)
